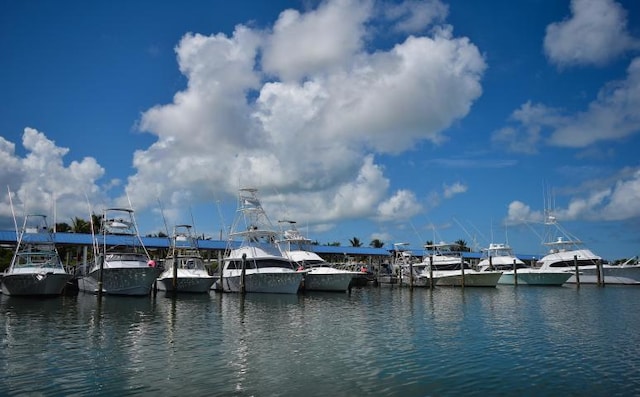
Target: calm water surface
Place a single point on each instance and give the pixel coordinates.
(374, 341)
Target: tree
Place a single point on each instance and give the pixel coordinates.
(63, 227)
(461, 246)
(376, 243)
(79, 225)
(355, 242)
(429, 245)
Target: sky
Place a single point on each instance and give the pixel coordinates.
(403, 121)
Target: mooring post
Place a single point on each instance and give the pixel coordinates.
(431, 283)
(242, 275)
(575, 264)
(174, 282)
(600, 273)
(410, 275)
(462, 267)
(101, 259)
(515, 273)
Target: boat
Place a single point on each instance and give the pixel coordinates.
(319, 275)
(184, 269)
(256, 264)
(36, 268)
(412, 272)
(121, 264)
(449, 268)
(566, 252)
(500, 256)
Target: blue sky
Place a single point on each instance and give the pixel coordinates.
(403, 121)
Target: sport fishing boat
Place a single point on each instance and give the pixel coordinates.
(256, 264)
(500, 256)
(566, 252)
(450, 269)
(121, 265)
(184, 269)
(36, 268)
(319, 275)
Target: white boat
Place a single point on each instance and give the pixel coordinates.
(566, 251)
(450, 269)
(121, 265)
(257, 264)
(36, 268)
(319, 275)
(184, 269)
(500, 256)
(412, 272)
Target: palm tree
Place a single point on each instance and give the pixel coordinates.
(355, 242)
(429, 245)
(461, 246)
(63, 227)
(376, 243)
(79, 225)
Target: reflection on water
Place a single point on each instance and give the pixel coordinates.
(374, 341)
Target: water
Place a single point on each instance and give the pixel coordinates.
(375, 341)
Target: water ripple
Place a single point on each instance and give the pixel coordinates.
(374, 341)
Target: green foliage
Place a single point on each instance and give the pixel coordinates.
(376, 243)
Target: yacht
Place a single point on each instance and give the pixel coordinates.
(256, 264)
(319, 275)
(500, 256)
(411, 271)
(450, 269)
(184, 269)
(36, 268)
(121, 265)
(566, 252)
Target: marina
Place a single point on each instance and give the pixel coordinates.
(378, 341)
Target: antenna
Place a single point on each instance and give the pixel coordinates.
(15, 222)
(164, 220)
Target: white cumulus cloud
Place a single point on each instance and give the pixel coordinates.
(595, 33)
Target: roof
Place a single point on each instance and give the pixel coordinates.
(8, 237)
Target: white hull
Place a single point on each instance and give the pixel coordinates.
(418, 281)
(120, 281)
(278, 282)
(37, 283)
(335, 281)
(185, 283)
(454, 278)
(534, 277)
(626, 275)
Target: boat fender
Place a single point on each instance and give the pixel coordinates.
(152, 263)
(300, 268)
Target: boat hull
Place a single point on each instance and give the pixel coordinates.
(197, 284)
(338, 282)
(534, 277)
(33, 284)
(135, 281)
(471, 278)
(263, 282)
(624, 275)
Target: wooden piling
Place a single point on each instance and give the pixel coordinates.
(431, 284)
(462, 268)
(174, 281)
(410, 275)
(515, 273)
(575, 264)
(243, 274)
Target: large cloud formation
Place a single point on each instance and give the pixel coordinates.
(304, 107)
(595, 34)
(40, 181)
